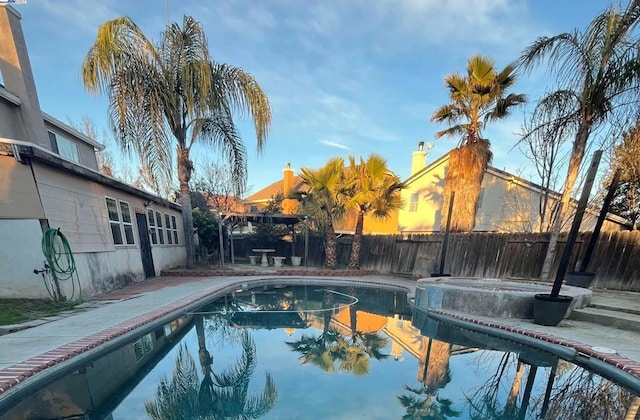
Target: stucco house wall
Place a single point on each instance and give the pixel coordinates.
(507, 203)
(49, 179)
(423, 200)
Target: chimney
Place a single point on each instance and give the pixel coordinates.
(418, 159)
(27, 123)
(288, 206)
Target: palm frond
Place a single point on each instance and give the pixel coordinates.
(219, 131)
(242, 93)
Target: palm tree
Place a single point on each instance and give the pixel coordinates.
(177, 397)
(477, 98)
(374, 189)
(232, 399)
(423, 408)
(183, 397)
(598, 79)
(325, 194)
(172, 94)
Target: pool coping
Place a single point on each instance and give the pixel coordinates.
(620, 368)
(18, 375)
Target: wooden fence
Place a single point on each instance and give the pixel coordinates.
(615, 260)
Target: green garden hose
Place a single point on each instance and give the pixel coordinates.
(61, 264)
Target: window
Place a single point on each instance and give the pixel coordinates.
(413, 203)
(175, 230)
(152, 226)
(159, 225)
(1, 79)
(142, 347)
(65, 148)
(114, 221)
(119, 221)
(167, 224)
(254, 209)
(126, 222)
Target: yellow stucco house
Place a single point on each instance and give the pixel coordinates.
(507, 202)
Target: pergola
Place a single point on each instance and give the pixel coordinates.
(260, 218)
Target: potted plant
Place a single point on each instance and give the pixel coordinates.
(583, 278)
(295, 261)
(550, 309)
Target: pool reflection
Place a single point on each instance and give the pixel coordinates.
(329, 352)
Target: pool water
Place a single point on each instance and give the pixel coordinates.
(310, 352)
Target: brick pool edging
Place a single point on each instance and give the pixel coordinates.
(620, 362)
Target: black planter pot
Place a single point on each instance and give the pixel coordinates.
(549, 310)
(579, 278)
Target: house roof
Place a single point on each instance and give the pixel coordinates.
(21, 149)
(490, 169)
(67, 128)
(273, 189)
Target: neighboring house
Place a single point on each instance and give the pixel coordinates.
(292, 183)
(507, 202)
(256, 202)
(49, 178)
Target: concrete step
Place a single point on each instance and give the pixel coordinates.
(610, 318)
(611, 306)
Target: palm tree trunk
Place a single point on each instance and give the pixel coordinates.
(633, 409)
(203, 353)
(184, 175)
(577, 155)
(354, 261)
(187, 220)
(438, 365)
(464, 177)
(330, 251)
(512, 399)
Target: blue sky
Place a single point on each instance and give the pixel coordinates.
(343, 77)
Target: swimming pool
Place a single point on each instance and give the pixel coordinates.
(281, 351)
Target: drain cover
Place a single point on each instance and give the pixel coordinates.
(603, 350)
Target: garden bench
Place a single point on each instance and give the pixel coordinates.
(277, 261)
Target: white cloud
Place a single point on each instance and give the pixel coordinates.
(337, 145)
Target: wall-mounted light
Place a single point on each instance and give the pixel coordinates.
(148, 203)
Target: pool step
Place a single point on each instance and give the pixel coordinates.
(608, 317)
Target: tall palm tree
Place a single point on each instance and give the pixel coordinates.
(419, 404)
(477, 98)
(172, 95)
(598, 82)
(181, 397)
(374, 189)
(325, 194)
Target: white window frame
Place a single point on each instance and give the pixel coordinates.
(413, 202)
(167, 226)
(65, 148)
(174, 228)
(126, 224)
(120, 223)
(159, 227)
(152, 226)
